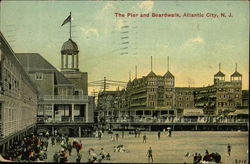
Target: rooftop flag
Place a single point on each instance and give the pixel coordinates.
(68, 19)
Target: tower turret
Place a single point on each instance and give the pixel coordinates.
(169, 78)
(236, 76)
(219, 76)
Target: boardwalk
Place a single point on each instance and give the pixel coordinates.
(167, 149)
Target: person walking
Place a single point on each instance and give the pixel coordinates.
(159, 135)
(100, 135)
(116, 136)
(229, 149)
(47, 135)
(46, 144)
(69, 147)
(52, 141)
(144, 138)
(67, 139)
(150, 154)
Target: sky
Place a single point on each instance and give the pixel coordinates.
(195, 45)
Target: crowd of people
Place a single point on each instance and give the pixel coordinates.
(32, 148)
(66, 148)
(174, 119)
(208, 157)
(94, 157)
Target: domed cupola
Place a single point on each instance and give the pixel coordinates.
(69, 47)
(69, 56)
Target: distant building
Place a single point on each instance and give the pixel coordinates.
(222, 97)
(18, 98)
(155, 95)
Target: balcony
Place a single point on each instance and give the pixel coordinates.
(64, 98)
(42, 120)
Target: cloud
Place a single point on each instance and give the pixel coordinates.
(192, 42)
(108, 6)
(88, 32)
(197, 40)
(146, 5)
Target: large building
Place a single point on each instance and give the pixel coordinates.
(222, 97)
(63, 95)
(155, 95)
(18, 98)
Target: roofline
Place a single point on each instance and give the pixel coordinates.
(18, 62)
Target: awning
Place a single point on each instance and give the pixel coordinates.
(239, 112)
(193, 112)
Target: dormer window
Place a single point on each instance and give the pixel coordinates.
(39, 76)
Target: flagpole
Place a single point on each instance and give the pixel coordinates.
(70, 27)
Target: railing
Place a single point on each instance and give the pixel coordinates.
(204, 120)
(63, 120)
(64, 97)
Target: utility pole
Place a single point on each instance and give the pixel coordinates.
(104, 84)
(94, 93)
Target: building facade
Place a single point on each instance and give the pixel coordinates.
(18, 98)
(222, 97)
(156, 96)
(63, 96)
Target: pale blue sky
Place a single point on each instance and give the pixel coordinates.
(195, 45)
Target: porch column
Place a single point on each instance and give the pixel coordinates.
(53, 112)
(76, 60)
(143, 112)
(79, 131)
(73, 64)
(62, 62)
(53, 131)
(72, 112)
(66, 60)
(87, 112)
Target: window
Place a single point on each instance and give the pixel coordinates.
(39, 76)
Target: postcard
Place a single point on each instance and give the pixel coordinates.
(124, 81)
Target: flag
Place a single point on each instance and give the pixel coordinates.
(68, 19)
